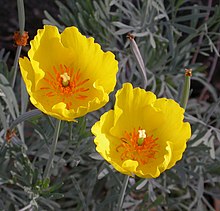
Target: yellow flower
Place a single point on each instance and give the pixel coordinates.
(143, 135)
(67, 75)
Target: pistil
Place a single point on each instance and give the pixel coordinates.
(66, 79)
(141, 137)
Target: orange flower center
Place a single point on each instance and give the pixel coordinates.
(66, 83)
(138, 146)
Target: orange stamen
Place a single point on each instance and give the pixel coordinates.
(130, 148)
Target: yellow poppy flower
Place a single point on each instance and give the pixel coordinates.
(67, 75)
(143, 135)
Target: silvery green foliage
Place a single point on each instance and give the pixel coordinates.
(167, 35)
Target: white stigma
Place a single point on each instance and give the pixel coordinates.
(142, 134)
(65, 78)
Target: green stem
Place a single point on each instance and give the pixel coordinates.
(68, 143)
(53, 149)
(15, 65)
(122, 193)
(186, 89)
(21, 20)
(21, 15)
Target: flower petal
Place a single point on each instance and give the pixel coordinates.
(91, 58)
(130, 166)
(106, 144)
(133, 108)
(161, 121)
(47, 49)
(179, 145)
(90, 73)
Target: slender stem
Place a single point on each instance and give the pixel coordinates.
(21, 20)
(15, 65)
(186, 89)
(68, 143)
(122, 193)
(21, 15)
(140, 62)
(53, 149)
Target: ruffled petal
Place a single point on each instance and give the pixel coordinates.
(90, 73)
(164, 134)
(28, 74)
(47, 49)
(179, 145)
(91, 58)
(130, 105)
(106, 144)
